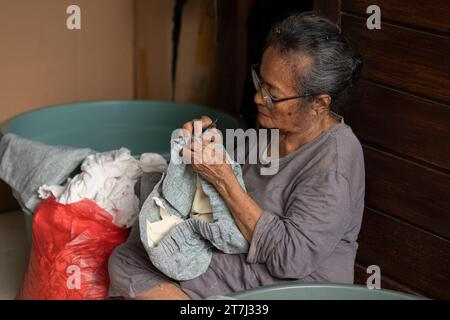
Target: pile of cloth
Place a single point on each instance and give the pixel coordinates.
(81, 197)
(109, 179)
(37, 171)
(83, 204)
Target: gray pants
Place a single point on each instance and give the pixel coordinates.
(132, 274)
(130, 271)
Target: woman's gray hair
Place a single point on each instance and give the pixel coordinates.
(335, 68)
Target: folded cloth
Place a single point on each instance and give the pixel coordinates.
(177, 245)
(109, 179)
(25, 165)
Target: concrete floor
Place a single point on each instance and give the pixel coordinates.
(14, 253)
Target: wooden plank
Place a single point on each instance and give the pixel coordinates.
(411, 192)
(7, 201)
(330, 9)
(405, 253)
(361, 277)
(432, 15)
(226, 97)
(418, 128)
(241, 49)
(402, 58)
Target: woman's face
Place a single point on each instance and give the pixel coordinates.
(276, 73)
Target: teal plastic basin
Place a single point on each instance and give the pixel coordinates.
(302, 291)
(141, 126)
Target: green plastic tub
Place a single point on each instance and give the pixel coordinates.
(302, 291)
(141, 126)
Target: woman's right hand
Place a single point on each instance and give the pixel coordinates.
(196, 126)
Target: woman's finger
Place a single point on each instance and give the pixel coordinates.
(196, 145)
(197, 157)
(188, 128)
(212, 135)
(196, 125)
(187, 155)
(206, 121)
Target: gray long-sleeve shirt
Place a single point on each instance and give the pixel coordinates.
(312, 216)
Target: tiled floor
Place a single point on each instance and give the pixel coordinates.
(14, 252)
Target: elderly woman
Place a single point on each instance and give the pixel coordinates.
(303, 222)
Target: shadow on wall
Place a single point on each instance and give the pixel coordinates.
(262, 16)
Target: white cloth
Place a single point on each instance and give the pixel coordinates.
(158, 230)
(108, 179)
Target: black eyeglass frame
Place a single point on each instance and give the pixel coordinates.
(270, 100)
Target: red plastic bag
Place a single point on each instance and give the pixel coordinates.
(70, 251)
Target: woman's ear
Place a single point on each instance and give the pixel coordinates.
(321, 104)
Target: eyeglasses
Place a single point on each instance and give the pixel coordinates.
(268, 98)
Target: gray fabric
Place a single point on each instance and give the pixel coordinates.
(26, 165)
(312, 216)
(131, 269)
(185, 252)
(145, 185)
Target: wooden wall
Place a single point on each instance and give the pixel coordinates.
(400, 111)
